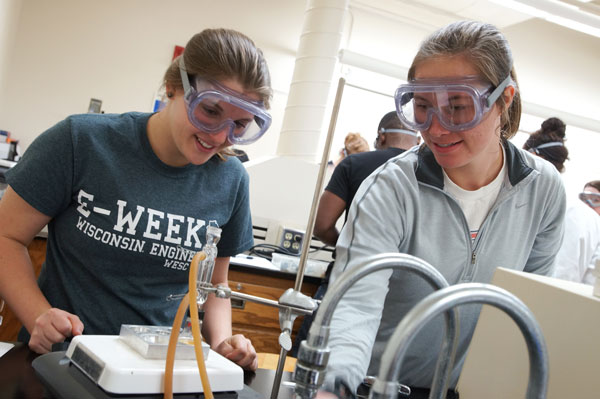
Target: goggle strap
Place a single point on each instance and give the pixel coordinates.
(496, 93)
(402, 131)
(185, 80)
(548, 145)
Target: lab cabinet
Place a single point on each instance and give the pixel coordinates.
(260, 323)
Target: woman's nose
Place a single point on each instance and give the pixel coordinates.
(436, 128)
(222, 135)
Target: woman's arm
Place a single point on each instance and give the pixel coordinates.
(216, 327)
(18, 285)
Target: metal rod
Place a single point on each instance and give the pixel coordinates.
(269, 302)
(370, 90)
(280, 365)
(311, 223)
(247, 297)
(319, 185)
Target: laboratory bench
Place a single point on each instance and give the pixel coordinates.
(258, 322)
(19, 379)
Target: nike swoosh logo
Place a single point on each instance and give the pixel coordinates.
(521, 205)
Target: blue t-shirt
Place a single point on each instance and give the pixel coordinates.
(125, 226)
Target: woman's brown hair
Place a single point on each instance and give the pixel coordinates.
(487, 48)
(223, 54)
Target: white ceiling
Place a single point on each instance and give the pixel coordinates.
(551, 58)
(435, 13)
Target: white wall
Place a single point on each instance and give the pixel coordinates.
(67, 51)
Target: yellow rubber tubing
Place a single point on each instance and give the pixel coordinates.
(189, 298)
(168, 390)
(200, 256)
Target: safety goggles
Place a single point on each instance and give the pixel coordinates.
(212, 107)
(592, 199)
(458, 105)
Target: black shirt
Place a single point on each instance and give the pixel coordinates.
(350, 173)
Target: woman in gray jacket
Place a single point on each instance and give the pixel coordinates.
(467, 201)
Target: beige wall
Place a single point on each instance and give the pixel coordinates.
(67, 51)
(9, 17)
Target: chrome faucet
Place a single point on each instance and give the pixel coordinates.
(313, 354)
(449, 298)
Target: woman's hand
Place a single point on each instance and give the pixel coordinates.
(53, 326)
(239, 349)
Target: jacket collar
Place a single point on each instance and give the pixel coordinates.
(429, 172)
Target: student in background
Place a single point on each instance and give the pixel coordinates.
(240, 154)
(127, 199)
(549, 143)
(462, 202)
(591, 195)
(581, 242)
(353, 144)
(393, 138)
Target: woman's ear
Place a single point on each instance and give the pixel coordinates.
(508, 95)
(170, 90)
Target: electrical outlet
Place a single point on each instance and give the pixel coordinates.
(291, 239)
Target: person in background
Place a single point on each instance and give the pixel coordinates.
(581, 242)
(240, 154)
(393, 138)
(462, 201)
(580, 248)
(353, 144)
(549, 143)
(127, 199)
(591, 195)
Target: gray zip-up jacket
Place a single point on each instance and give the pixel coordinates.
(402, 207)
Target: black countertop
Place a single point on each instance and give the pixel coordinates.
(24, 374)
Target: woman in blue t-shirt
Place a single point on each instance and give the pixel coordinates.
(127, 199)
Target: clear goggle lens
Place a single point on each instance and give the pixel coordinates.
(213, 108)
(592, 199)
(457, 106)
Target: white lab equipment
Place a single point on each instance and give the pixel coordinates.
(448, 298)
(118, 368)
(496, 365)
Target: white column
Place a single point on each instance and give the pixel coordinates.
(304, 120)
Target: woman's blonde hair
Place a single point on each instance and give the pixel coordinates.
(355, 143)
(223, 54)
(487, 48)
